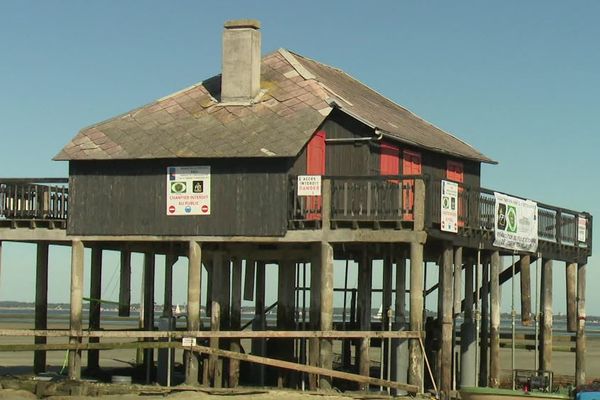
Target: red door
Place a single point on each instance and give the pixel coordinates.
(455, 173)
(411, 165)
(315, 165)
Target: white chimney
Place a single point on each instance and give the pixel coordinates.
(240, 80)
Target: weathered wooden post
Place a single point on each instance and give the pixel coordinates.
(148, 297)
(326, 293)
(415, 371)
(458, 266)
(571, 282)
(170, 260)
(286, 280)
(125, 284)
(580, 343)
(484, 323)
(525, 264)
(41, 305)
(468, 348)
(236, 319)
(95, 305)
(399, 365)
(386, 304)
(445, 292)
(546, 310)
(220, 301)
(259, 323)
(314, 315)
(365, 276)
(495, 319)
(76, 306)
(193, 307)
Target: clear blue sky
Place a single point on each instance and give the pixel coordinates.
(518, 80)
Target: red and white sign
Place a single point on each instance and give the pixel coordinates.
(188, 190)
(309, 185)
(581, 229)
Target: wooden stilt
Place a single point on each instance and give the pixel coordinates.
(446, 294)
(415, 371)
(125, 284)
(41, 305)
(193, 307)
(95, 304)
(525, 267)
(326, 345)
(148, 295)
(170, 260)
(365, 276)
(386, 308)
(249, 272)
(286, 279)
(236, 320)
(468, 348)
(580, 344)
(399, 364)
(314, 315)
(546, 311)
(259, 324)
(571, 281)
(220, 303)
(484, 323)
(495, 319)
(76, 306)
(458, 265)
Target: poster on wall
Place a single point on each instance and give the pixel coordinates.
(188, 190)
(309, 185)
(449, 207)
(516, 225)
(581, 229)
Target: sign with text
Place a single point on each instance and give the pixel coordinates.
(516, 223)
(581, 229)
(188, 190)
(449, 207)
(309, 185)
(188, 341)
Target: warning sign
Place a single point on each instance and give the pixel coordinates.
(309, 185)
(581, 229)
(188, 190)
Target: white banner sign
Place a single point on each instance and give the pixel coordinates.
(188, 190)
(581, 229)
(516, 225)
(309, 185)
(449, 207)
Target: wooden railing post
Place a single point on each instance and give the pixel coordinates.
(419, 205)
(326, 203)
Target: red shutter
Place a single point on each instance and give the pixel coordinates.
(315, 165)
(389, 159)
(411, 165)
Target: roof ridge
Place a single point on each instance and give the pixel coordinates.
(393, 102)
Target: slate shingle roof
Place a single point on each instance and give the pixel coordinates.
(298, 94)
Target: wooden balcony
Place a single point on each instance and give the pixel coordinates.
(380, 202)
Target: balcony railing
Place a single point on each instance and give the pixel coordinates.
(44, 199)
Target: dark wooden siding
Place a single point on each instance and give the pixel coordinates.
(248, 198)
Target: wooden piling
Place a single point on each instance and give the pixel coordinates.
(484, 323)
(236, 319)
(326, 294)
(525, 267)
(468, 348)
(286, 280)
(41, 305)
(259, 324)
(495, 268)
(220, 302)
(249, 272)
(125, 284)
(399, 357)
(446, 294)
(458, 264)
(148, 300)
(571, 282)
(580, 344)
(365, 283)
(386, 305)
(95, 304)
(170, 260)
(415, 372)
(314, 315)
(546, 311)
(75, 320)
(193, 307)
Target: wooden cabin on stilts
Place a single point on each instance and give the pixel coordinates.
(286, 178)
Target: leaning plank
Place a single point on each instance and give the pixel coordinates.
(221, 334)
(306, 368)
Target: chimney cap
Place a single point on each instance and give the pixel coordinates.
(242, 23)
